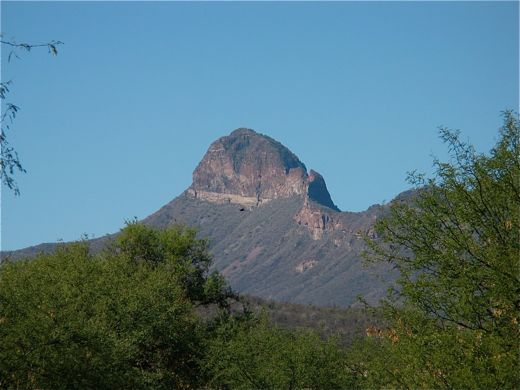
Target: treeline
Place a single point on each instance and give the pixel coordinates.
(146, 313)
(344, 324)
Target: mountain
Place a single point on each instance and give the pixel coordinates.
(274, 230)
(252, 169)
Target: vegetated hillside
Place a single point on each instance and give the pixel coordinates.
(273, 228)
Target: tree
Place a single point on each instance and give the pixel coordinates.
(252, 354)
(454, 314)
(145, 313)
(9, 161)
(123, 318)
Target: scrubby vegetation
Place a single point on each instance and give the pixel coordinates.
(343, 324)
(130, 317)
(147, 313)
(121, 318)
(454, 314)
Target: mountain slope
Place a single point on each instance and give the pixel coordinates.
(264, 251)
(274, 230)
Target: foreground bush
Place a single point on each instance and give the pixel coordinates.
(454, 316)
(257, 355)
(123, 318)
(130, 317)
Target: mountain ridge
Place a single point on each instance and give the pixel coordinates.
(273, 228)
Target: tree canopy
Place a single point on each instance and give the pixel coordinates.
(121, 318)
(144, 313)
(454, 314)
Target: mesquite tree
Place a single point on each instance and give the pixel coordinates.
(454, 313)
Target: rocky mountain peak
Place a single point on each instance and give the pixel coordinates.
(242, 131)
(250, 168)
(318, 192)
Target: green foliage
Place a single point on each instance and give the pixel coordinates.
(343, 324)
(254, 354)
(127, 318)
(119, 319)
(454, 317)
(9, 161)
(177, 249)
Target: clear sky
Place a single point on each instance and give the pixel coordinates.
(113, 126)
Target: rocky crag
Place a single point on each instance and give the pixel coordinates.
(252, 169)
(274, 230)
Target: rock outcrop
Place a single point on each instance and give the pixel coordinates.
(318, 220)
(317, 191)
(249, 168)
(248, 165)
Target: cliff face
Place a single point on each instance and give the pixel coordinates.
(250, 169)
(317, 220)
(249, 165)
(317, 191)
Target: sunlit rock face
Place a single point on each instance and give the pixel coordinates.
(249, 168)
(249, 165)
(318, 220)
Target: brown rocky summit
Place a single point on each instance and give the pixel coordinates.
(249, 168)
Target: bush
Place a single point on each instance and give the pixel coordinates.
(454, 316)
(123, 318)
(253, 354)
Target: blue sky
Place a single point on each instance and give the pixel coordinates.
(113, 126)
